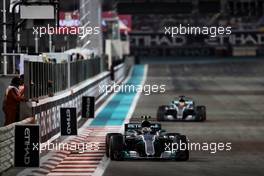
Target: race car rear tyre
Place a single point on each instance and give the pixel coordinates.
(161, 113)
(183, 155)
(201, 113)
(116, 146)
(107, 141)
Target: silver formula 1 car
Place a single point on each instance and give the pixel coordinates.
(181, 109)
(146, 141)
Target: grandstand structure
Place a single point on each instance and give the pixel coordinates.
(239, 14)
(149, 18)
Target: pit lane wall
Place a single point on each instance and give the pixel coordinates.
(46, 112)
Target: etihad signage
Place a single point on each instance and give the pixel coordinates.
(88, 107)
(26, 138)
(68, 121)
(161, 40)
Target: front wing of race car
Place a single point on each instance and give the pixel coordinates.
(166, 113)
(166, 155)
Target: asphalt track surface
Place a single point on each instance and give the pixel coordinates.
(234, 95)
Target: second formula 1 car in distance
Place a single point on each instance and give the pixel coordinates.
(181, 109)
(146, 141)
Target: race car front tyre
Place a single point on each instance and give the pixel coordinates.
(107, 141)
(116, 146)
(201, 113)
(161, 113)
(183, 154)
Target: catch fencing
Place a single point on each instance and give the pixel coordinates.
(45, 79)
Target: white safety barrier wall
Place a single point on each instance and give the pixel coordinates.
(119, 72)
(117, 49)
(126, 47)
(7, 143)
(114, 50)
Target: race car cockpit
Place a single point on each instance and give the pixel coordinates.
(144, 127)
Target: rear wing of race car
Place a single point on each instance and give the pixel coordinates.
(137, 126)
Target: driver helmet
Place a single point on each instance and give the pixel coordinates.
(146, 126)
(145, 123)
(181, 102)
(146, 130)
